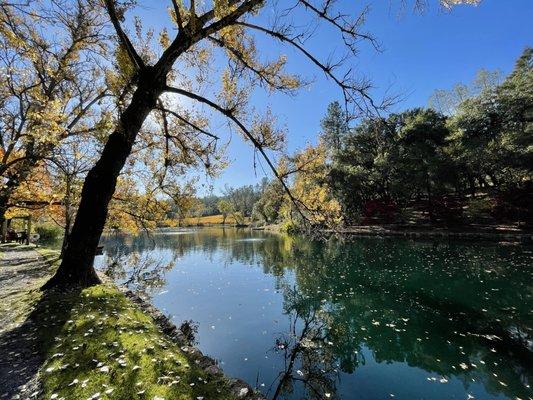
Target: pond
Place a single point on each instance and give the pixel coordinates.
(367, 319)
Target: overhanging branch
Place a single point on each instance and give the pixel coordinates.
(187, 122)
(348, 87)
(246, 132)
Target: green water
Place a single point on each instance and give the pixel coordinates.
(366, 319)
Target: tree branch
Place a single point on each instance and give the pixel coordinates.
(348, 87)
(177, 11)
(246, 132)
(187, 122)
(124, 40)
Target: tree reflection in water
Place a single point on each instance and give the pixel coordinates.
(308, 359)
(453, 310)
(140, 272)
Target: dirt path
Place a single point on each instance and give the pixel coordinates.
(22, 271)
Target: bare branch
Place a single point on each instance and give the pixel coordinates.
(187, 122)
(246, 132)
(354, 93)
(349, 29)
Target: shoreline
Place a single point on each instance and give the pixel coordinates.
(48, 375)
(239, 388)
(436, 233)
(485, 234)
(488, 233)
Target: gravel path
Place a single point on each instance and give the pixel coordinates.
(22, 271)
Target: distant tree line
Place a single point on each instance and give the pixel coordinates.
(472, 150)
(237, 202)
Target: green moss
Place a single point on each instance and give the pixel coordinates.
(97, 341)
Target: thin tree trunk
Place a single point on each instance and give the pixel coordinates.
(68, 219)
(5, 196)
(13, 177)
(3, 226)
(76, 268)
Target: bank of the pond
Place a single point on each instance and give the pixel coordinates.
(97, 343)
(482, 233)
(488, 233)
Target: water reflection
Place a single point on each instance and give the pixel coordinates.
(139, 271)
(458, 314)
(307, 352)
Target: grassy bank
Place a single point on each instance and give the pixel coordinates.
(96, 343)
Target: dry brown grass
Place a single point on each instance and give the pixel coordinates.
(212, 220)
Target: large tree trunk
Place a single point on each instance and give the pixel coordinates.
(76, 268)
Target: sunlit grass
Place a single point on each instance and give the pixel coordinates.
(212, 220)
(97, 344)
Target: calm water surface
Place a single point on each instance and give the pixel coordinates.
(369, 319)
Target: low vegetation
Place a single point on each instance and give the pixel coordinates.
(97, 344)
(214, 220)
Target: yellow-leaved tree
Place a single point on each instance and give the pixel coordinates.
(209, 58)
(310, 190)
(52, 82)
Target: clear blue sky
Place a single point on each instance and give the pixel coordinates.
(421, 52)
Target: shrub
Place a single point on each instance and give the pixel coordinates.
(48, 232)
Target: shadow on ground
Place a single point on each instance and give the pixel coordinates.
(25, 348)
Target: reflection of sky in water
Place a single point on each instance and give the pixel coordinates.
(381, 318)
